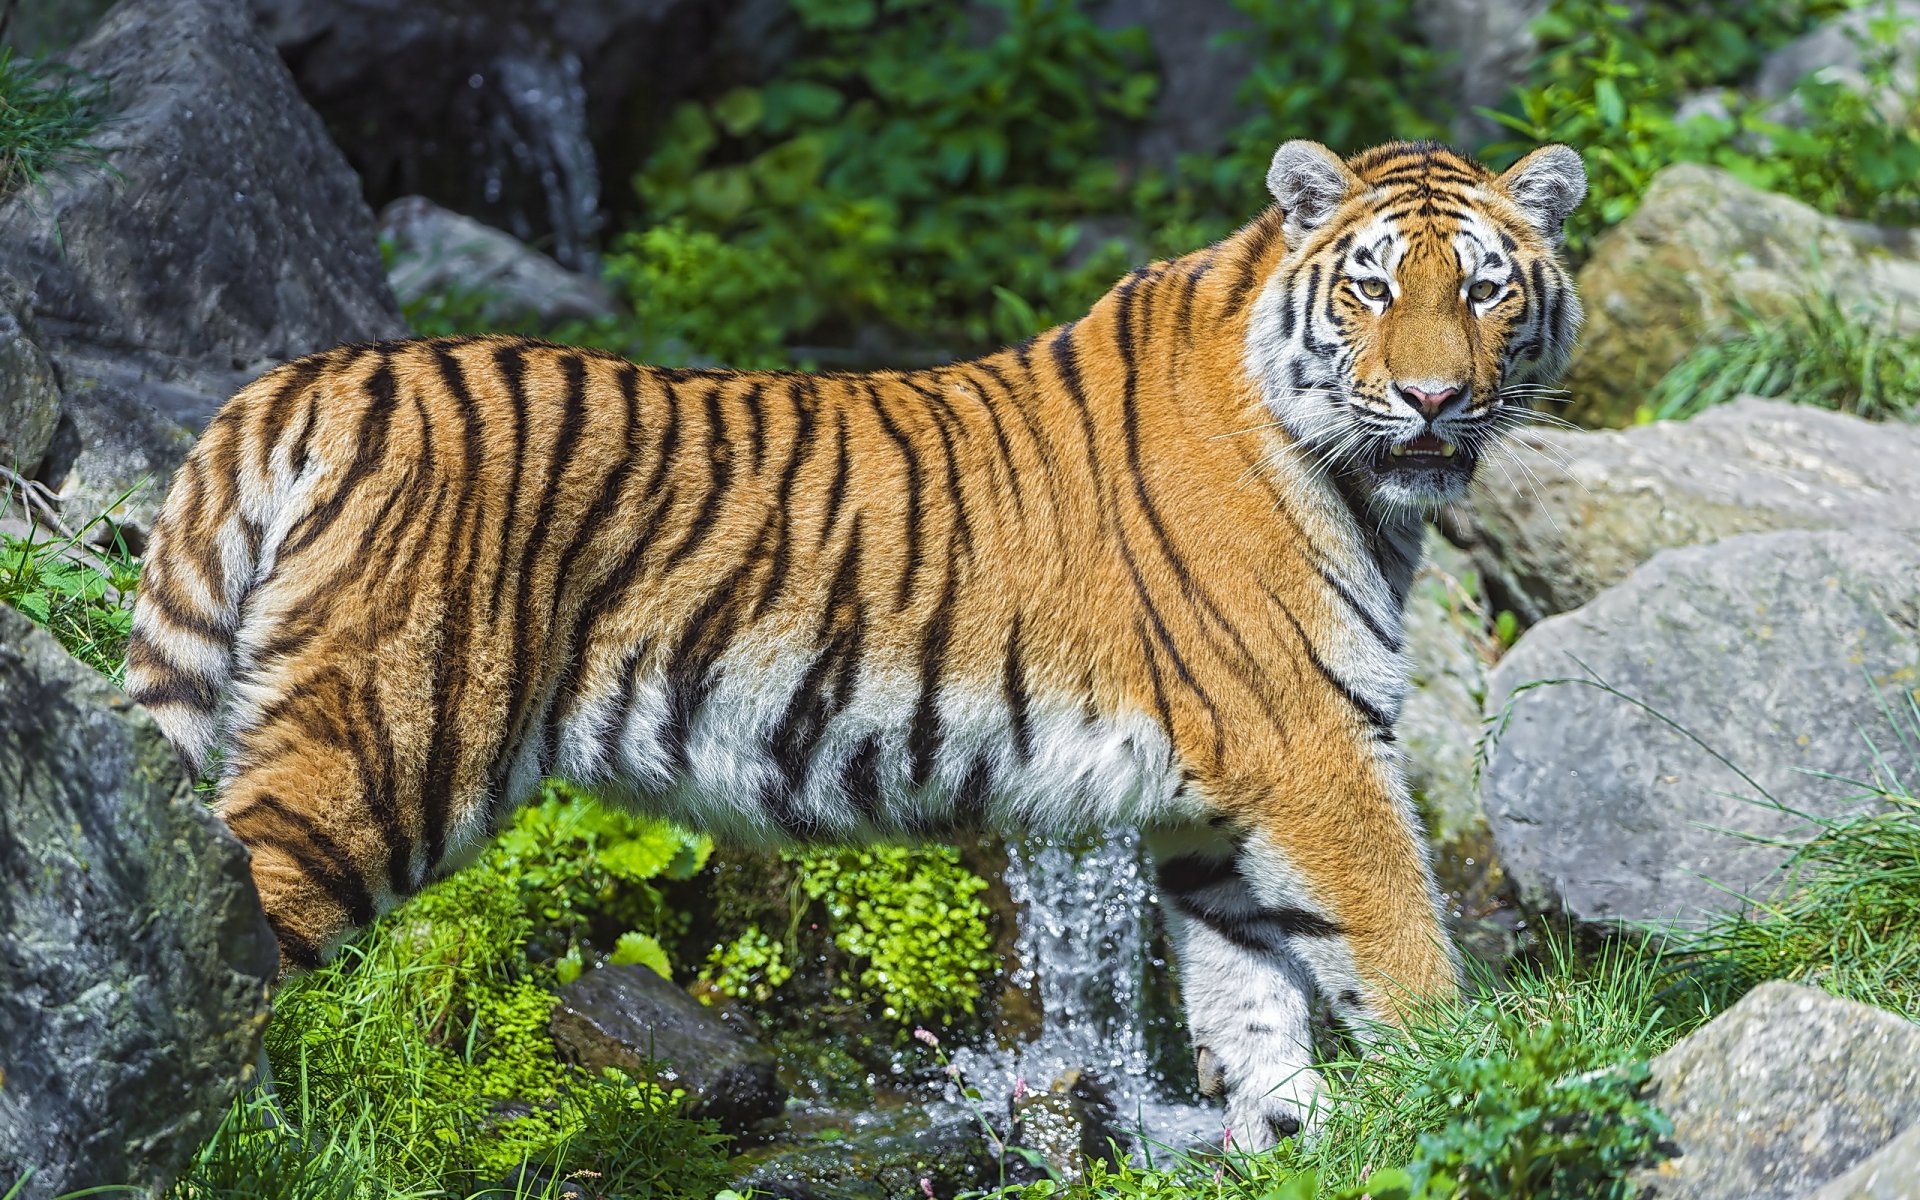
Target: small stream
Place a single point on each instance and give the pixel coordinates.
(1088, 953)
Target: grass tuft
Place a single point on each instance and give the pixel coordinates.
(47, 114)
(1824, 354)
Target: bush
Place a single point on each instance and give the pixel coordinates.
(83, 597)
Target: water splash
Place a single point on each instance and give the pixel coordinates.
(1086, 951)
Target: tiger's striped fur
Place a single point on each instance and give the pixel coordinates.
(1147, 567)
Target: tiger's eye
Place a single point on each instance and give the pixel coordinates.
(1373, 289)
(1482, 291)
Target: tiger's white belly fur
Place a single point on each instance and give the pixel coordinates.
(1070, 771)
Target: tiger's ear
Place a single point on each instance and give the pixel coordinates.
(1309, 181)
(1548, 184)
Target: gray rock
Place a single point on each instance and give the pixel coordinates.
(134, 959)
(1837, 52)
(1701, 245)
(226, 235)
(1440, 722)
(1767, 648)
(1784, 1092)
(630, 1018)
(878, 1156)
(1582, 509)
(1201, 66)
(1888, 1174)
(1489, 43)
(434, 250)
(29, 395)
(51, 26)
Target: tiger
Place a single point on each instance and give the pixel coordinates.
(1146, 568)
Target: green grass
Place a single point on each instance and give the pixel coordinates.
(1823, 354)
(81, 595)
(1850, 921)
(47, 114)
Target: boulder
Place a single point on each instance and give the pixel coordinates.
(1203, 56)
(1582, 509)
(1701, 246)
(1764, 654)
(225, 235)
(1789, 1090)
(629, 1018)
(1837, 52)
(1070, 1126)
(433, 250)
(134, 958)
(937, 1150)
(29, 394)
(1439, 724)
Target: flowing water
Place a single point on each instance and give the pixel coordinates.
(1087, 953)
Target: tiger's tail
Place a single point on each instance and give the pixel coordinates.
(205, 554)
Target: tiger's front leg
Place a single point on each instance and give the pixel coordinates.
(1328, 890)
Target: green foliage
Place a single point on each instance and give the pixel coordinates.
(426, 1040)
(1850, 921)
(82, 596)
(1824, 355)
(910, 162)
(911, 922)
(1608, 82)
(47, 113)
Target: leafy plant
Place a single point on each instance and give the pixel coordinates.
(80, 595)
(911, 922)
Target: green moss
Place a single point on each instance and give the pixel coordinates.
(912, 923)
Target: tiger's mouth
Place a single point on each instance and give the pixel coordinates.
(1428, 452)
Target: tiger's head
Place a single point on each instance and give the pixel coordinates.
(1421, 303)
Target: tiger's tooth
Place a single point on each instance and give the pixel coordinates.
(1397, 451)
(1446, 449)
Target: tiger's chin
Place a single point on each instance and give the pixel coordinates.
(1424, 473)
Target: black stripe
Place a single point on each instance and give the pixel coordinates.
(1267, 229)
(756, 425)
(798, 451)
(296, 952)
(1013, 683)
(1359, 610)
(1375, 718)
(1188, 873)
(924, 735)
(336, 875)
(720, 460)
(915, 505)
(511, 361)
(370, 447)
(860, 780)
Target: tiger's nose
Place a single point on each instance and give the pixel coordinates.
(1427, 401)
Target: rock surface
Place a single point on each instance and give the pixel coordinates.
(1070, 1126)
(29, 394)
(879, 1156)
(1888, 1174)
(435, 250)
(134, 959)
(226, 235)
(1591, 506)
(1766, 647)
(1784, 1092)
(1440, 721)
(1701, 244)
(630, 1018)
(1488, 44)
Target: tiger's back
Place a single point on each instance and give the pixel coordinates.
(1083, 581)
